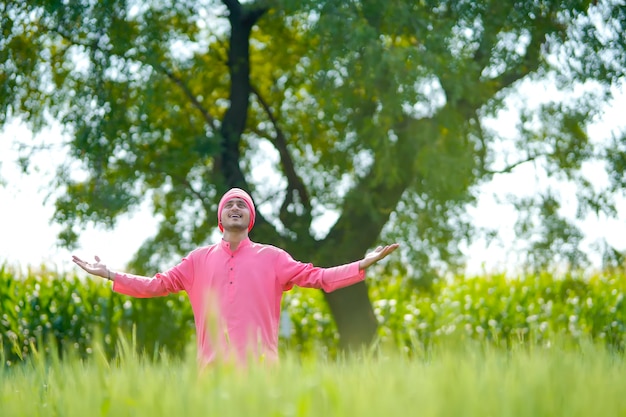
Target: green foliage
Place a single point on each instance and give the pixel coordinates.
(455, 381)
(49, 311)
(67, 313)
(370, 108)
(504, 312)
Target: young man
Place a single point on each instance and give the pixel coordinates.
(235, 286)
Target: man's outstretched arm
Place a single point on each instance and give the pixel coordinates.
(306, 275)
(173, 280)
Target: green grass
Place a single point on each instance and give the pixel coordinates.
(477, 380)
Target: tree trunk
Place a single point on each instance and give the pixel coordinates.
(354, 316)
(233, 124)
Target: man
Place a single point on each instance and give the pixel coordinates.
(235, 287)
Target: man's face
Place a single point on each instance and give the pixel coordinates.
(235, 215)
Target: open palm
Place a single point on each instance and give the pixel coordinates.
(96, 268)
(378, 254)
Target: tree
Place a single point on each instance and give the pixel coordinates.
(373, 110)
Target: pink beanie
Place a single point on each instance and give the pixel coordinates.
(236, 193)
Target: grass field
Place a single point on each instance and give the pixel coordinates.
(584, 380)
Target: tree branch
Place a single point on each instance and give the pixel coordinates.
(177, 80)
(367, 206)
(194, 101)
(514, 165)
(546, 24)
(201, 197)
(490, 35)
(294, 182)
(530, 63)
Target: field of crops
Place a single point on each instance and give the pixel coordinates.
(460, 380)
(496, 310)
(484, 346)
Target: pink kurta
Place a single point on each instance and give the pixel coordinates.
(236, 296)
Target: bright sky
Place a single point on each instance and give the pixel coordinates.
(27, 237)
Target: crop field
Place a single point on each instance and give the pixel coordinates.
(483, 346)
(471, 380)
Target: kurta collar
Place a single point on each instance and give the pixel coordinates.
(226, 245)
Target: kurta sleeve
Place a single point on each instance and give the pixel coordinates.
(178, 278)
(291, 272)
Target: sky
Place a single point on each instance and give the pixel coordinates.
(28, 238)
(27, 235)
